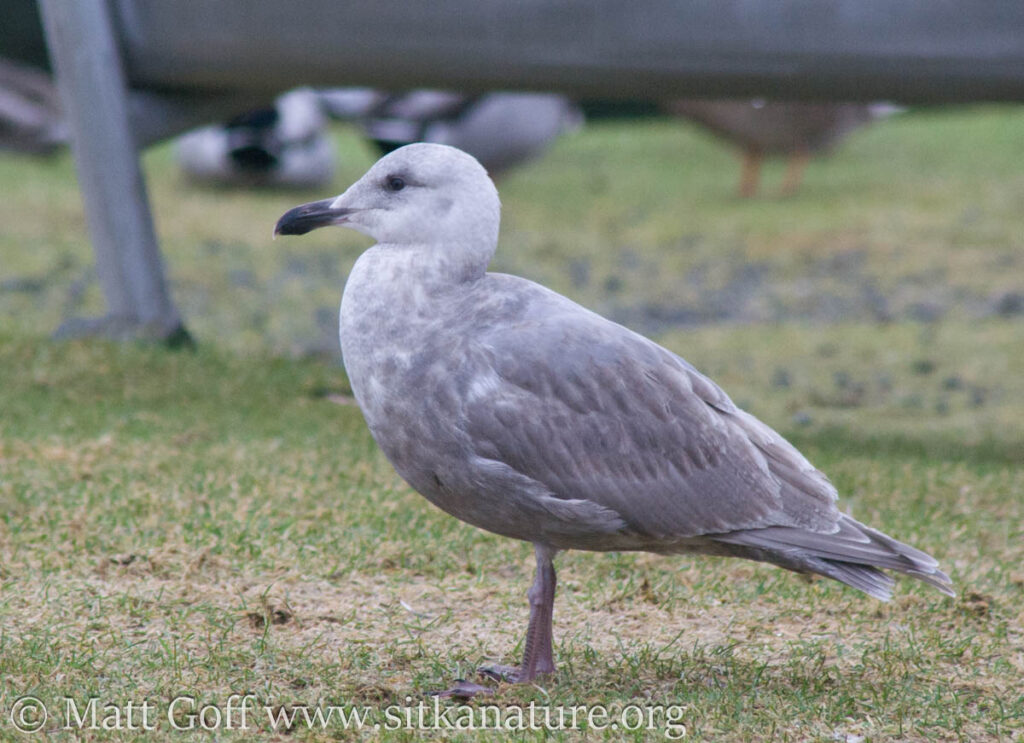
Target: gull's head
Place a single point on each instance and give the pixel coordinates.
(418, 195)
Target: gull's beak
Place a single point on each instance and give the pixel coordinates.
(302, 219)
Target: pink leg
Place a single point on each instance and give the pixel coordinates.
(538, 656)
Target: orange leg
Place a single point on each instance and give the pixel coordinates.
(751, 173)
(794, 172)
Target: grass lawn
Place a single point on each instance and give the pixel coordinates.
(180, 527)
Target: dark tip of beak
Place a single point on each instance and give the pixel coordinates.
(307, 217)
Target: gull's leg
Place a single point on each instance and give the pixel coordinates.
(750, 173)
(538, 656)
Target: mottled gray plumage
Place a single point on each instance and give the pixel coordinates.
(520, 412)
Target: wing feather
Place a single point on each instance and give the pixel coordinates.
(597, 413)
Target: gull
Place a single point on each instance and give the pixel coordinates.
(520, 412)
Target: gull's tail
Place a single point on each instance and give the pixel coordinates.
(855, 554)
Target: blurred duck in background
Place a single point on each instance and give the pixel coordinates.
(283, 145)
(287, 144)
(797, 131)
(501, 130)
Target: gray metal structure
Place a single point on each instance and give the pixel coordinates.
(192, 59)
(94, 96)
(907, 50)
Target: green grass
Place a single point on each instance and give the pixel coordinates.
(159, 508)
(922, 210)
(221, 522)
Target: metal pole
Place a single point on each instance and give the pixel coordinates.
(91, 82)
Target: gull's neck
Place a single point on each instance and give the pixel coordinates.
(392, 291)
(427, 265)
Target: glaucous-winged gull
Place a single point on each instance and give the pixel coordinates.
(518, 411)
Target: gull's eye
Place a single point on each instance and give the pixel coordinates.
(394, 183)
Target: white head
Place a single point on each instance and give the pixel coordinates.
(427, 197)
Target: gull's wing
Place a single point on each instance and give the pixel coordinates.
(597, 413)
